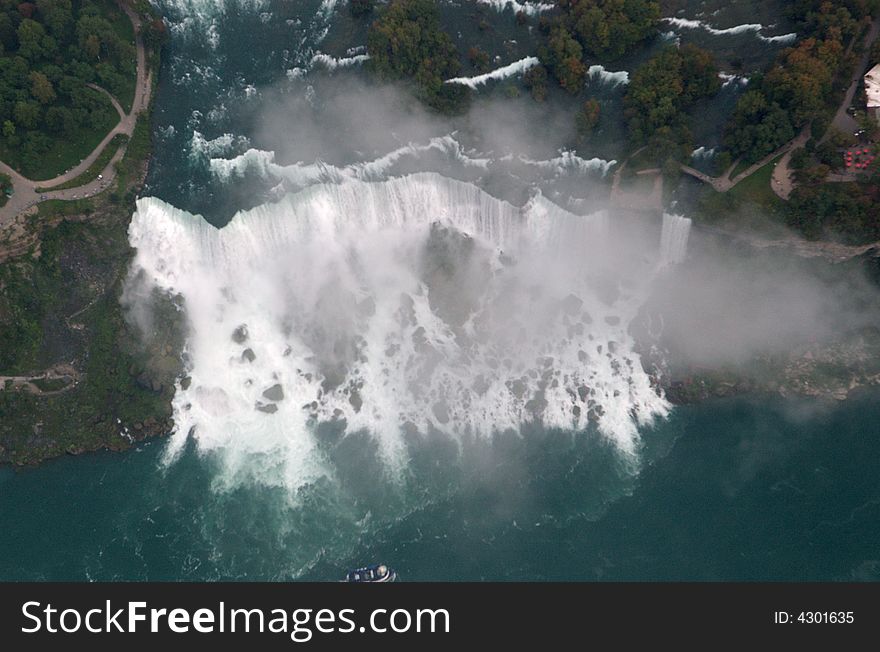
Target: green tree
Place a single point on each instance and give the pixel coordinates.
(479, 59)
(58, 16)
(609, 28)
(535, 80)
(8, 129)
(562, 55)
(30, 39)
(758, 127)
(661, 91)
(587, 118)
(27, 114)
(41, 88)
(406, 42)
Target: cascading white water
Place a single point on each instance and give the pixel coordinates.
(674, 238)
(414, 303)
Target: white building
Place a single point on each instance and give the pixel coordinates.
(872, 90)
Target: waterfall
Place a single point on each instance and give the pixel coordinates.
(674, 239)
(419, 302)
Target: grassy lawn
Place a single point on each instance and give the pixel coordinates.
(756, 188)
(752, 196)
(50, 384)
(67, 151)
(100, 163)
(740, 167)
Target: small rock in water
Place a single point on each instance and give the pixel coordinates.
(441, 411)
(274, 393)
(355, 399)
(269, 408)
(248, 355)
(240, 334)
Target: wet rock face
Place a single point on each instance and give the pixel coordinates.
(572, 305)
(274, 393)
(454, 269)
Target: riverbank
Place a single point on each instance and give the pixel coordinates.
(62, 269)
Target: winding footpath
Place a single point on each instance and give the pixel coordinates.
(725, 183)
(25, 193)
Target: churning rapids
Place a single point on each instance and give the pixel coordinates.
(406, 305)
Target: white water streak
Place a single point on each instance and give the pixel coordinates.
(511, 69)
(756, 28)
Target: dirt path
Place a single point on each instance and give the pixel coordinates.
(25, 192)
(782, 181)
(64, 372)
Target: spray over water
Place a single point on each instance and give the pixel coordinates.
(410, 305)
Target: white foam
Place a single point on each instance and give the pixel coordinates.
(568, 163)
(197, 19)
(728, 78)
(756, 28)
(332, 63)
(304, 174)
(201, 148)
(529, 8)
(608, 77)
(331, 283)
(511, 69)
(703, 153)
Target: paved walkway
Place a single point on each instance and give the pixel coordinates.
(725, 183)
(25, 192)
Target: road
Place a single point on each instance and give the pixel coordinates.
(843, 121)
(25, 192)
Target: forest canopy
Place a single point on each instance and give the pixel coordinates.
(49, 51)
(406, 42)
(662, 90)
